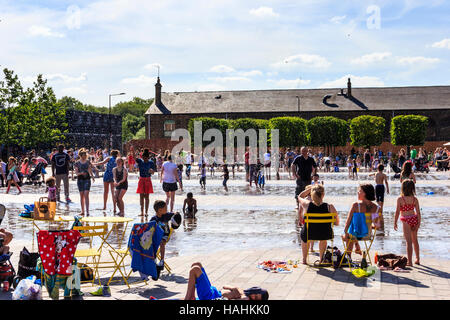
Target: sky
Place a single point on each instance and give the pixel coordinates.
(90, 49)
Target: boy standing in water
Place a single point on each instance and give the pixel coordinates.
(380, 180)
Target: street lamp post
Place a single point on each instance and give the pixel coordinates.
(110, 131)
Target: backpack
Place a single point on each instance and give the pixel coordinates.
(86, 272)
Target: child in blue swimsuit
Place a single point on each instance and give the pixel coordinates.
(108, 178)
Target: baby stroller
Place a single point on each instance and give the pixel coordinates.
(442, 166)
(35, 176)
(7, 272)
(396, 170)
(422, 165)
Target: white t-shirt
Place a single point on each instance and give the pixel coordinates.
(169, 172)
(188, 158)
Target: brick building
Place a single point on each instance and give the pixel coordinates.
(173, 110)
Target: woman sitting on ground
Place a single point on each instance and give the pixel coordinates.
(365, 204)
(319, 231)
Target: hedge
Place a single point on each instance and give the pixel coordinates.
(408, 130)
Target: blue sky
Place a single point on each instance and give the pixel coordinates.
(89, 49)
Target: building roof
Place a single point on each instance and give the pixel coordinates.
(383, 98)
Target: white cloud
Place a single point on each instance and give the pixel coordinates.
(264, 12)
(73, 91)
(230, 79)
(252, 73)
(35, 30)
(303, 60)
(141, 80)
(371, 58)
(66, 78)
(288, 83)
(338, 19)
(416, 60)
(364, 81)
(221, 69)
(445, 43)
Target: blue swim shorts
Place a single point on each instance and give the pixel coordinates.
(205, 291)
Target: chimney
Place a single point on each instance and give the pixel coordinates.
(158, 92)
(349, 88)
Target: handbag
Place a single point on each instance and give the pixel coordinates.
(44, 210)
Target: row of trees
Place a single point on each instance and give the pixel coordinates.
(29, 117)
(362, 131)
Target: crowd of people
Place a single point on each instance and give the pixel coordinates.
(85, 165)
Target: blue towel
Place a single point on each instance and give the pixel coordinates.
(143, 244)
(358, 226)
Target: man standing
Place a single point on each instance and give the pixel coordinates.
(303, 168)
(60, 170)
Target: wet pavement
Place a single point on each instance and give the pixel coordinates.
(261, 223)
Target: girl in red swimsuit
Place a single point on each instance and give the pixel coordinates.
(409, 211)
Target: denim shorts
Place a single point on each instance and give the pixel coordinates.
(84, 184)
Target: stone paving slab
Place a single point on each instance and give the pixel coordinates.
(429, 281)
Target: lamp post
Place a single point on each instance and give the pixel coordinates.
(110, 132)
(298, 103)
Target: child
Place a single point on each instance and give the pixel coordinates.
(380, 180)
(162, 217)
(316, 179)
(355, 169)
(180, 174)
(203, 177)
(145, 186)
(407, 204)
(12, 177)
(349, 165)
(191, 204)
(51, 189)
(226, 176)
(261, 178)
(120, 175)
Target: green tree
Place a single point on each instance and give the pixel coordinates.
(131, 124)
(328, 132)
(11, 92)
(292, 131)
(408, 130)
(140, 134)
(367, 131)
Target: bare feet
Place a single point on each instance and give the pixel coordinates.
(409, 265)
(417, 262)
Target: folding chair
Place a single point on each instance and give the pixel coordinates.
(368, 240)
(94, 253)
(119, 261)
(316, 218)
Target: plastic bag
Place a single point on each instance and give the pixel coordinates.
(27, 289)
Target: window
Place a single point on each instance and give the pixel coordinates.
(169, 126)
